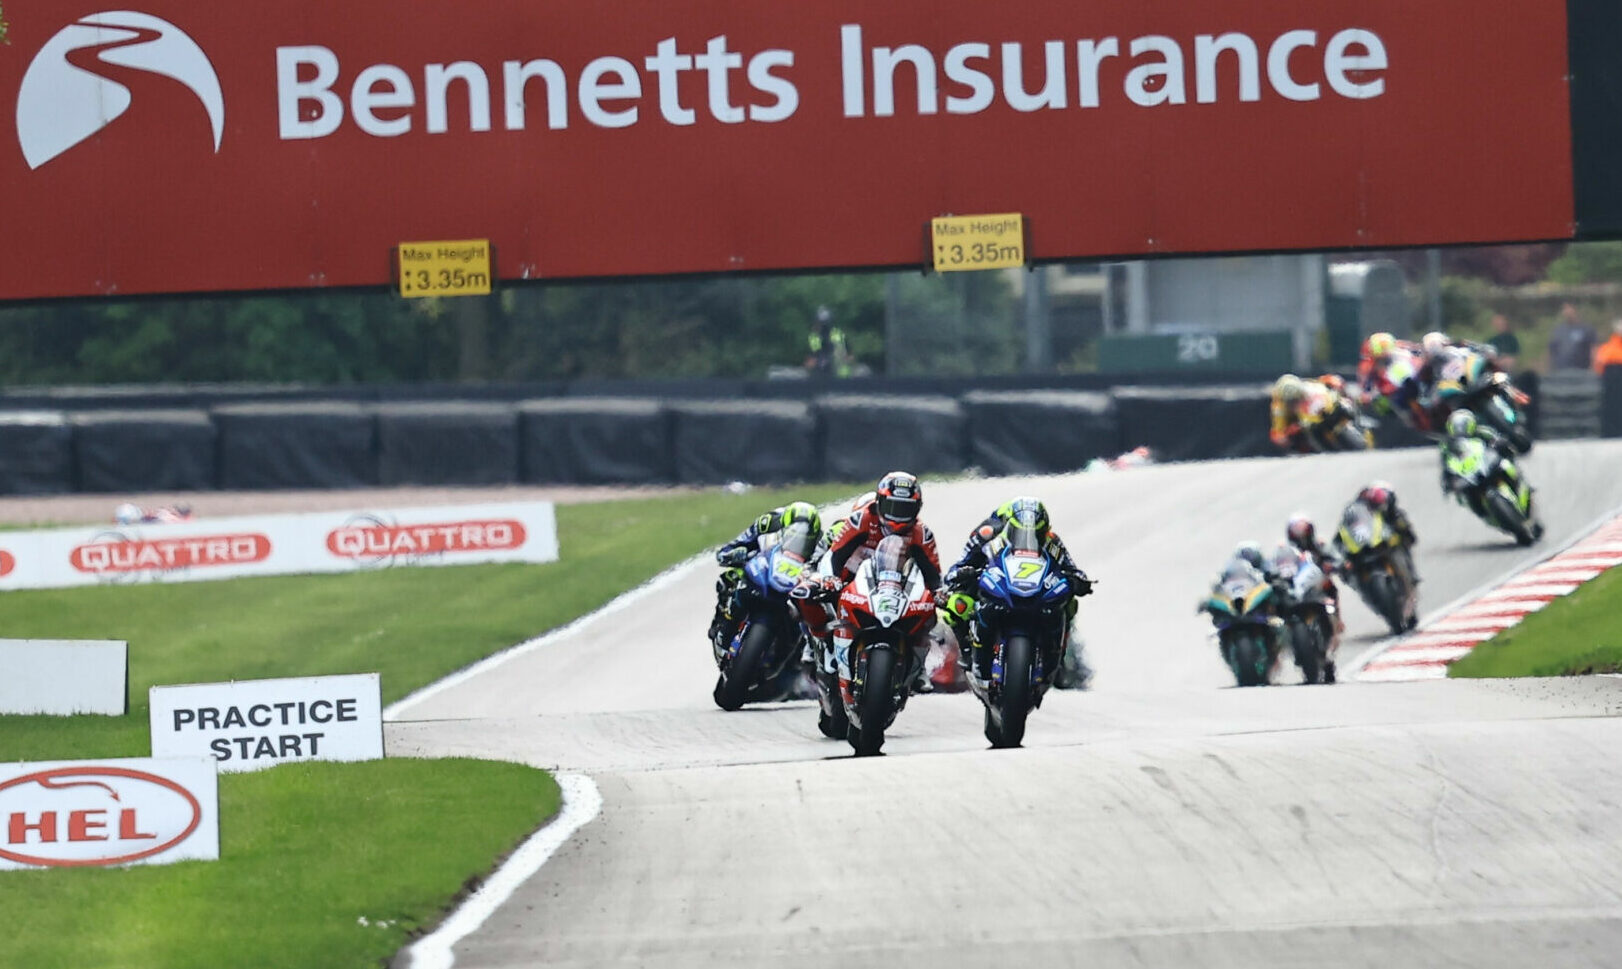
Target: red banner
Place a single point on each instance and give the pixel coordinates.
(205, 146)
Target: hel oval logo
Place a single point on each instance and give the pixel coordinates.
(72, 817)
(170, 553)
(377, 539)
(8, 563)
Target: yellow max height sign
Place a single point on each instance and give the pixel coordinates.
(962, 242)
(460, 268)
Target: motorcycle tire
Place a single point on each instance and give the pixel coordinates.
(1518, 434)
(742, 673)
(874, 703)
(1388, 601)
(1014, 700)
(1349, 437)
(834, 722)
(1308, 654)
(1509, 518)
(1249, 660)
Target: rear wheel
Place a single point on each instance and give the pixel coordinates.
(874, 703)
(1014, 703)
(745, 668)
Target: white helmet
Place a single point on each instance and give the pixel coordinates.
(1435, 343)
(127, 514)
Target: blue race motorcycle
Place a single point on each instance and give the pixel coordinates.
(1022, 615)
(761, 662)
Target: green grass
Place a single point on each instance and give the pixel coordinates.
(1579, 633)
(306, 852)
(412, 625)
(308, 849)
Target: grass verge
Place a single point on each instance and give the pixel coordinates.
(1578, 633)
(321, 865)
(307, 850)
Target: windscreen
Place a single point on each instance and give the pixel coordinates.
(798, 540)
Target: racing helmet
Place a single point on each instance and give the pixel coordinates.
(1251, 554)
(899, 501)
(1288, 389)
(1379, 347)
(1435, 344)
(802, 511)
(1461, 423)
(128, 514)
(1029, 512)
(1377, 494)
(1301, 533)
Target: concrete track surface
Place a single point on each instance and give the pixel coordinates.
(1163, 818)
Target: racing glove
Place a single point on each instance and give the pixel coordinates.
(1080, 585)
(733, 556)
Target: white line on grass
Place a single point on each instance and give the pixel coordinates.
(581, 802)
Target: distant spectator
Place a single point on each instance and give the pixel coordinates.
(1505, 342)
(1609, 353)
(829, 356)
(1571, 345)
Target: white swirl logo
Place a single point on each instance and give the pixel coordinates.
(65, 99)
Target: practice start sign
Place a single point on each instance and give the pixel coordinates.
(253, 724)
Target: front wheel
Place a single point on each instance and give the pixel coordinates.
(1509, 518)
(1388, 601)
(1014, 704)
(1308, 655)
(1248, 657)
(873, 706)
(745, 668)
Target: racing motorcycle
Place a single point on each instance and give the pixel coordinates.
(761, 662)
(1467, 381)
(1309, 615)
(885, 616)
(1377, 564)
(1492, 486)
(1339, 426)
(1242, 609)
(1021, 617)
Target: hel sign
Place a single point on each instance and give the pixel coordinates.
(75, 814)
(202, 146)
(253, 724)
(64, 677)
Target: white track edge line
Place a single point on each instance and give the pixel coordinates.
(1370, 654)
(581, 803)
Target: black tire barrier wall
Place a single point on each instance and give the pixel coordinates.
(596, 441)
(1195, 424)
(1610, 407)
(311, 445)
(145, 450)
(447, 444)
(762, 442)
(865, 436)
(1040, 431)
(36, 454)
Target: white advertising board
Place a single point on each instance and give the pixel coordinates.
(75, 814)
(224, 548)
(254, 724)
(64, 676)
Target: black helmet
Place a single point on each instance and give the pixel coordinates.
(1301, 533)
(899, 500)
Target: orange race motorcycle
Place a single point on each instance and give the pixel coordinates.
(882, 637)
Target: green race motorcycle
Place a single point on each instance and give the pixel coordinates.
(1492, 486)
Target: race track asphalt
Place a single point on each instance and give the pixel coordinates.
(1163, 818)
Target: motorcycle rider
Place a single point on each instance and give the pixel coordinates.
(1299, 404)
(1302, 535)
(893, 511)
(963, 579)
(1380, 497)
(1248, 562)
(733, 554)
(1389, 375)
(1463, 424)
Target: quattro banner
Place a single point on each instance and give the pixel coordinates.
(224, 548)
(101, 813)
(180, 145)
(254, 724)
